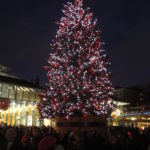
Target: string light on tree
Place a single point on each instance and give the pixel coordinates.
(78, 78)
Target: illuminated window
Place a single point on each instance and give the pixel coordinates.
(19, 93)
(37, 97)
(25, 95)
(5, 90)
(11, 92)
(0, 89)
(32, 95)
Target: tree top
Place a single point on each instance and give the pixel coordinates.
(78, 2)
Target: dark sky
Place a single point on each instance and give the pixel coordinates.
(28, 26)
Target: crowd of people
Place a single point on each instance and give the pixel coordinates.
(46, 138)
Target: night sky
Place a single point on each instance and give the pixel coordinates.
(28, 26)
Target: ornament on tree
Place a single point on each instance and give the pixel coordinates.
(78, 77)
(78, 3)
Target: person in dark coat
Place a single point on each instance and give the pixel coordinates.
(47, 143)
(11, 142)
(36, 137)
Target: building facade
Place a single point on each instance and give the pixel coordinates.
(18, 100)
(136, 112)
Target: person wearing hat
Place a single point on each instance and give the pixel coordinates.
(47, 143)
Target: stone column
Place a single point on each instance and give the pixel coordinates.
(14, 117)
(32, 117)
(9, 118)
(25, 117)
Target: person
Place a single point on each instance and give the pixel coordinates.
(35, 139)
(25, 140)
(47, 143)
(11, 142)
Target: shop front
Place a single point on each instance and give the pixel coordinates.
(18, 102)
(137, 119)
(20, 114)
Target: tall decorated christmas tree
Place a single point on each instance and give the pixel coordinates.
(77, 70)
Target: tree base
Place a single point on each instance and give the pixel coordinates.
(80, 124)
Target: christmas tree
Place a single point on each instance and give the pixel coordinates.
(78, 78)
